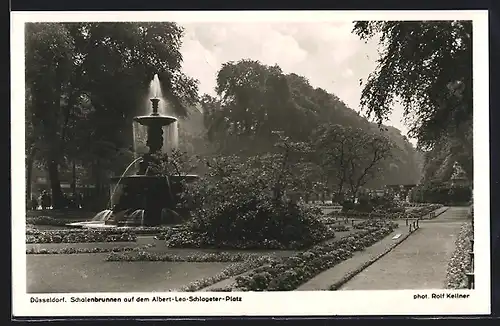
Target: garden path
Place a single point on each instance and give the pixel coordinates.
(420, 262)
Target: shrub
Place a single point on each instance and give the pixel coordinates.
(442, 193)
(348, 205)
(242, 204)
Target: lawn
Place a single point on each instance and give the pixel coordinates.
(90, 273)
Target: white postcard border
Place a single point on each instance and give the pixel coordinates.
(398, 302)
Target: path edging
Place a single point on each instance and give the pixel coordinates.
(335, 286)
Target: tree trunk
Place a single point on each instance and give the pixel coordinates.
(73, 183)
(55, 184)
(29, 173)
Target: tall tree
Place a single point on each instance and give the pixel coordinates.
(49, 63)
(95, 76)
(427, 66)
(351, 156)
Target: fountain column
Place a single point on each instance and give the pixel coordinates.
(154, 138)
(155, 130)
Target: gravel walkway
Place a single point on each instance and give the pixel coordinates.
(420, 262)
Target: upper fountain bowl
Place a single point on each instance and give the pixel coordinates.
(162, 120)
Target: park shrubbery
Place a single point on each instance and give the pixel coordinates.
(242, 204)
(251, 223)
(373, 205)
(442, 193)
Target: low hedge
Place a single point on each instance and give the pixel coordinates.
(460, 263)
(49, 221)
(165, 257)
(78, 236)
(288, 273)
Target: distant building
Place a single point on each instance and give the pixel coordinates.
(40, 181)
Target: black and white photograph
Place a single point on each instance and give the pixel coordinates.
(250, 163)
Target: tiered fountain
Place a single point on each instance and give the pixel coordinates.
(144, 199)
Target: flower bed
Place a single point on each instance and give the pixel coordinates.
(78, 236)
(288, 273)
(165, 257)
(363, 215)
(418, 212)
(340, 228)
(460, 261)
(228, 272)
(96, 250)
(421, 212)
(374, 224)
(111, 231)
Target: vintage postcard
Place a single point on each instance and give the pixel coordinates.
(266, 163)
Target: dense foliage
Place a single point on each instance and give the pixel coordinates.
(442, 193)
(427, 67)
(349, 156)
(85, 82)
(254, 100)
(243, 203)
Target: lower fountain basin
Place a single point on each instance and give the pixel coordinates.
(142, 200)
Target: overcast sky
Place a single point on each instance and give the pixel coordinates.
(328, 54)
